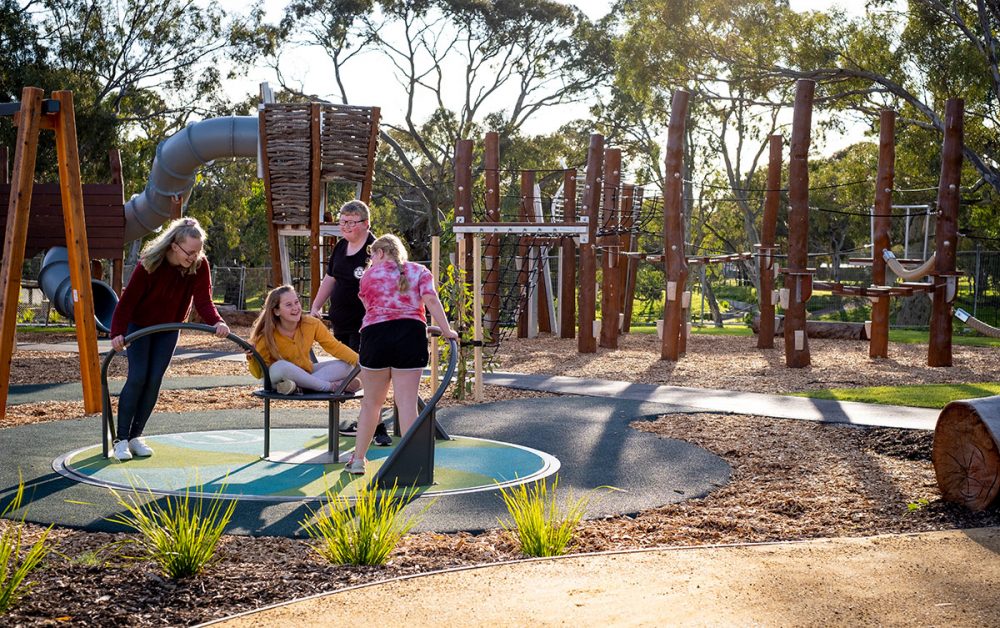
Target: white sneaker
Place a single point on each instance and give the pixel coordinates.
(286, 387)
(122, 452)
(139, 447)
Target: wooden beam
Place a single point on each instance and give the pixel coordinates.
(946, 235)
(878, 344)
(491, 161)
(768, 231)
(567, 246)
(75, 222)
(798, 281)
(673, 230)
(16, 233)
(272, 229)
(610, 259)
(587, 299)
(315, 193)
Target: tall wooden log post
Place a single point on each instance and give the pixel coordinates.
(74, 220)
(611, 253)
(946, 240)
(463, 215)
(117, 271)
(491, 283)
(798, 278)
(768, 229)
(525, 253)
(673, 230)
(587, 299)
(629, 242)
(878, 344)
(567, 291)
(16, 233)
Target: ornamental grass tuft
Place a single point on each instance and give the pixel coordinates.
(365, 532)
(15, 563)
(540, 525)
(179, 533)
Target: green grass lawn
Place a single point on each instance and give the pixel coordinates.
(919, 396)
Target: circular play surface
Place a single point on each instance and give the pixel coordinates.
(228, 463)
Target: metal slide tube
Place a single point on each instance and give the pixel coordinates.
(176, 164)
(54, 280)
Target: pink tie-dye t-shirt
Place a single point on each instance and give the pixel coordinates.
(382, 298)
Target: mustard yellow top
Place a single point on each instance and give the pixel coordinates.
(296, 349)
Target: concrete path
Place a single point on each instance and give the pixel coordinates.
(712, 400)
(931, 579)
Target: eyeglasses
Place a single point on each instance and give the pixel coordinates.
(189, 254)
(350, 223)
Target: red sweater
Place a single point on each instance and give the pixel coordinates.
(164, 296)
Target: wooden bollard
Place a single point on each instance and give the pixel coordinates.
(966, 452)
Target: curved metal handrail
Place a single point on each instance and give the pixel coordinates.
(424, 416)
(107, 429)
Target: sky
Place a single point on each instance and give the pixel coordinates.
(312, 72)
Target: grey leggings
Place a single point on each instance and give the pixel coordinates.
(324, 377)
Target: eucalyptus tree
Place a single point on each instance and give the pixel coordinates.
(461, 66)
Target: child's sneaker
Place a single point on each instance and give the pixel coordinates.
(122, 452)
(139, 447)
(286, 387)
(355, 466)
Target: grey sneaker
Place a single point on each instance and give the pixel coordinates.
(139, 447)
(122, 452)
(355, 466)
(286, 387)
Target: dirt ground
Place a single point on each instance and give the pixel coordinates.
(792, 480)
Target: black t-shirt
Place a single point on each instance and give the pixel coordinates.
(346, 309)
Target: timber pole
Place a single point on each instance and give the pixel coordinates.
(946, 235)
(567, 294)
(610, 258)
(768, 229)
(798, 278)
(491, 158)
(587, 300)
(673, 230)
(878, 344)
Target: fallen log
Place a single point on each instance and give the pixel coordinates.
(966, 453)
(818, 329)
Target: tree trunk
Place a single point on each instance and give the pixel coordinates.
(966, 452)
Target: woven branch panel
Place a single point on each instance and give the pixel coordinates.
(288, 154)
(345, 133)
(345, 136)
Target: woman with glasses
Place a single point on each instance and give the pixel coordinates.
(172, 273)
(341, 285)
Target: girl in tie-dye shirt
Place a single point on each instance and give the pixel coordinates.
(394, 292)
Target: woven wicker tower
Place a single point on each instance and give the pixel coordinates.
(305, 147)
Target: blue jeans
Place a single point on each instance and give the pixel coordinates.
(148, 359)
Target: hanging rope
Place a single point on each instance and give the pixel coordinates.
(976, 324)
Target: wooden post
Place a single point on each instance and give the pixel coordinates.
(491, 158)
(567, 248)
(798, 279)
(768, 228)
(315, 196)
(587, 304)
(966, 452)
(463, 199)
(525, 254)
(535, 213)
(946, 235)
(436, 273)
(16, 233)
(117, 178)
(71, 186)
(4, 165)
(610, 258)
(878, 344)
(673, 229)
(629, 242)
(477, 317)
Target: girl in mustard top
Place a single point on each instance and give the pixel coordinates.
(283, 336)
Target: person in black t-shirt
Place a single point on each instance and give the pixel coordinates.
(341, 284)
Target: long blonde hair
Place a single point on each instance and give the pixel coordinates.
(155, 251)
(395, 251)
(267, 320)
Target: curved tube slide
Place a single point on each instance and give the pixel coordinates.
(176, 165)
(173, 174)
(56, 286)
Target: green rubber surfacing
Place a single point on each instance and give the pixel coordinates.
(227, 463)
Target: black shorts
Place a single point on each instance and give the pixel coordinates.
(399, 344)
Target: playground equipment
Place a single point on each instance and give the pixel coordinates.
(32, 114)
(412, 460)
